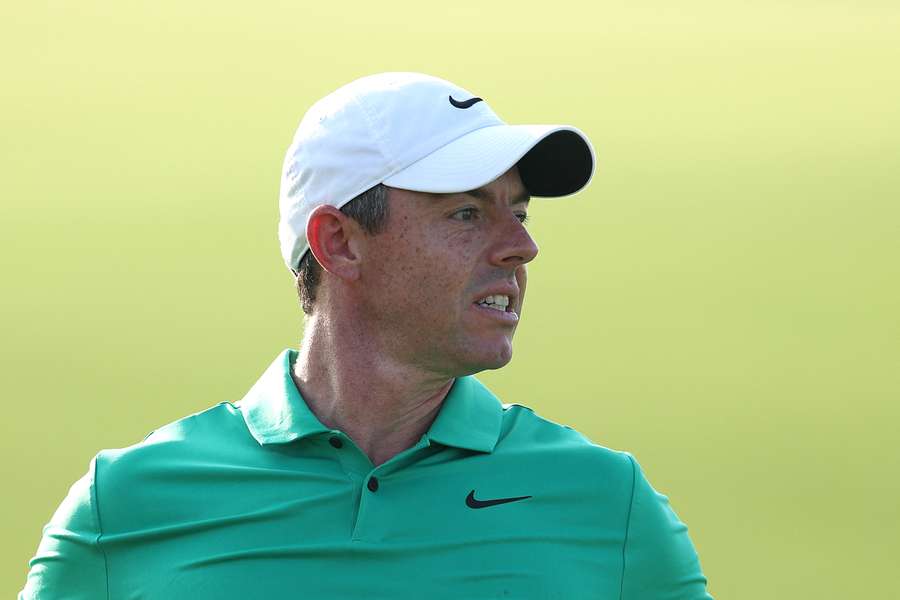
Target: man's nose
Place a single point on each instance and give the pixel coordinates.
(515, 245)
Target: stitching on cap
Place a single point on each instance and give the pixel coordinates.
(370, 120)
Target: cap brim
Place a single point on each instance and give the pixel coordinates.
(553, 160)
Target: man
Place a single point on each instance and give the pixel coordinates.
(370, 463)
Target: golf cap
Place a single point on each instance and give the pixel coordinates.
(421, 133)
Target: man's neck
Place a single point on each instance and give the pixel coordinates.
(352, 385)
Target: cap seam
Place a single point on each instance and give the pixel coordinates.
(370, 119)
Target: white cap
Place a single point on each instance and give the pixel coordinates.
(420, 133)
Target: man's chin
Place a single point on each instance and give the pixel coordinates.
(489, 359)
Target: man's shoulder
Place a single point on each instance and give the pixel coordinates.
(208, 435)
(205, 430)
(525, 430)
(170, 466)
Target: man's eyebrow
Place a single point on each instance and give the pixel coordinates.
(482, 194)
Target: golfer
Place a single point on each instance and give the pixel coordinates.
(371, 463)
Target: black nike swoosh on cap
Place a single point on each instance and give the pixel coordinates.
(472, 502)
(464, 103)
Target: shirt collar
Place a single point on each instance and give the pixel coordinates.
(276, 413)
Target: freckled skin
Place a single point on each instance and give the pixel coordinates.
(423, 272)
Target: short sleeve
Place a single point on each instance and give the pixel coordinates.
(660, 562)
(69, 562)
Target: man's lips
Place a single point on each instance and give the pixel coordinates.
(511, 292)
(508, 316)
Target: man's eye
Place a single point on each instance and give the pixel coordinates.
(523, 218)
(465, 214)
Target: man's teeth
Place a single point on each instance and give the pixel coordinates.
(497, 302)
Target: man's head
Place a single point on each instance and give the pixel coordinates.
(366, 185)
(442, 281)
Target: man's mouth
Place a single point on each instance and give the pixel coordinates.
(497, 302)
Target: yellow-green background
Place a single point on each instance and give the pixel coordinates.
(722, 301)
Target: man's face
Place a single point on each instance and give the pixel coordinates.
(439, 255)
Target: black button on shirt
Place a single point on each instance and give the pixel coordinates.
(336, 442)
(373, 484)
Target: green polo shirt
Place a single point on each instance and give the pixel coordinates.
(260, 500)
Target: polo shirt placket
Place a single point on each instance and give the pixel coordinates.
(367, 480)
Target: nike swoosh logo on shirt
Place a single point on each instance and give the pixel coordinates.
(464, 103)
(472, 502)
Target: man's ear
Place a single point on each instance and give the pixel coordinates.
(332, 238)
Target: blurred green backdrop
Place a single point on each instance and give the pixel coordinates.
(722, 301)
